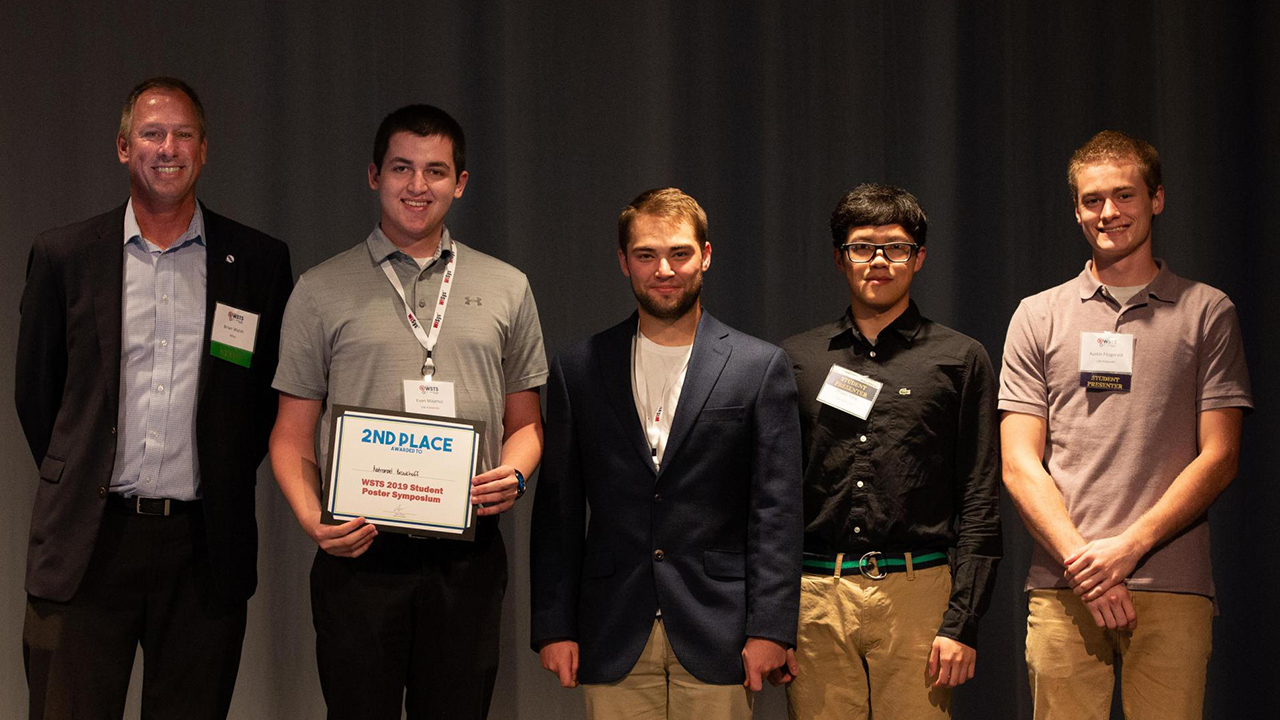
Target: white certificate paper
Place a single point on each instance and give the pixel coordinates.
(402, 472)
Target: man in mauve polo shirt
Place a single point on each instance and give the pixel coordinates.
(901, 483)
(1122, 395)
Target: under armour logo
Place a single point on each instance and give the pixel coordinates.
(471, 300)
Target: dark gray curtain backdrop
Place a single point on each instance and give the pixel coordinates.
(766, 112)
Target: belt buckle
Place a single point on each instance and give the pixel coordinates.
(137, 507)
(875, 566)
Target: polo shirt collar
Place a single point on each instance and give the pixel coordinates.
(193, 233)
(1164, 286)
(907, 325)
(380, 246)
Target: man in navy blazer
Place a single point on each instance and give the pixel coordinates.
(681, 436)
(147, 431)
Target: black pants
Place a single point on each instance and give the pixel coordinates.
(148, 583)
(412, 623)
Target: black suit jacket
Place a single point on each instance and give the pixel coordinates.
(714, 539)
(68, 393)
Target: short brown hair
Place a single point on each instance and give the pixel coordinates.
(160, 82)
(668, 203)
(1111, 146)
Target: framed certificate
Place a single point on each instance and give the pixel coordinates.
(402, 472)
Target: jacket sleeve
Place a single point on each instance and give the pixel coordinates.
(40, 373)
(559, 523)
(775, 525)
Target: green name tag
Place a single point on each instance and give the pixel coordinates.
(230, 354)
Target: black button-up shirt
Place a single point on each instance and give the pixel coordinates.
(922, 472)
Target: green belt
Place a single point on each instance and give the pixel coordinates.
(875, 564)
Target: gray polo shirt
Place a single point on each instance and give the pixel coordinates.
(1113, 454)
(345, 338)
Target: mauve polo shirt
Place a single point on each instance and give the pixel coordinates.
(1114, 453)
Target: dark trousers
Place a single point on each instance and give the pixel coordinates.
(148, 583)
(412, 623)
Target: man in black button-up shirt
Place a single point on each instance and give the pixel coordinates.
(901, 478)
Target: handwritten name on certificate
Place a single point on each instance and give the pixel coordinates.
(402, 472)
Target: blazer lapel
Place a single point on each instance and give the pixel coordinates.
(221, 277)
(614, 355)
(106, 260)
(706, 361)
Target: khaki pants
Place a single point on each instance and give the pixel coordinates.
(659, 688)
(1071, 661)
(865, 644)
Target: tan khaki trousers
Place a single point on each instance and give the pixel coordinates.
(1071, 661)
(659, 688)
(865, 644)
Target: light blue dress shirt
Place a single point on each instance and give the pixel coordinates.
(161, 343)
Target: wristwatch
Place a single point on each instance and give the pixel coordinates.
(520, 484)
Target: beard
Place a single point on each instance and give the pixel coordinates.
(671, 308)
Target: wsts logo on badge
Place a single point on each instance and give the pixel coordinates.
(428, 390)
(235, 317)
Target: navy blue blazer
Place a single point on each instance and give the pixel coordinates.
(714, 539)
(68, 393)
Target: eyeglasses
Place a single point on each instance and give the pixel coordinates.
(896, 252)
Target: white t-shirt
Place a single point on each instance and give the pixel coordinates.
(657, 376)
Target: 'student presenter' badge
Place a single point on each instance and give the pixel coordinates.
(849, 391)
(1106, 360)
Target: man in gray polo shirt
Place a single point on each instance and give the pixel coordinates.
(394, 613)
(1122, 395)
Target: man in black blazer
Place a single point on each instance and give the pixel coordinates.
(146, 349)
(681, 436)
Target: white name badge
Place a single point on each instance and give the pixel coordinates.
(849, 391)
(1106, 360)
(233, 334)
(429, 397)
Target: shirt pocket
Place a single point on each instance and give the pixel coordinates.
(927, 407)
